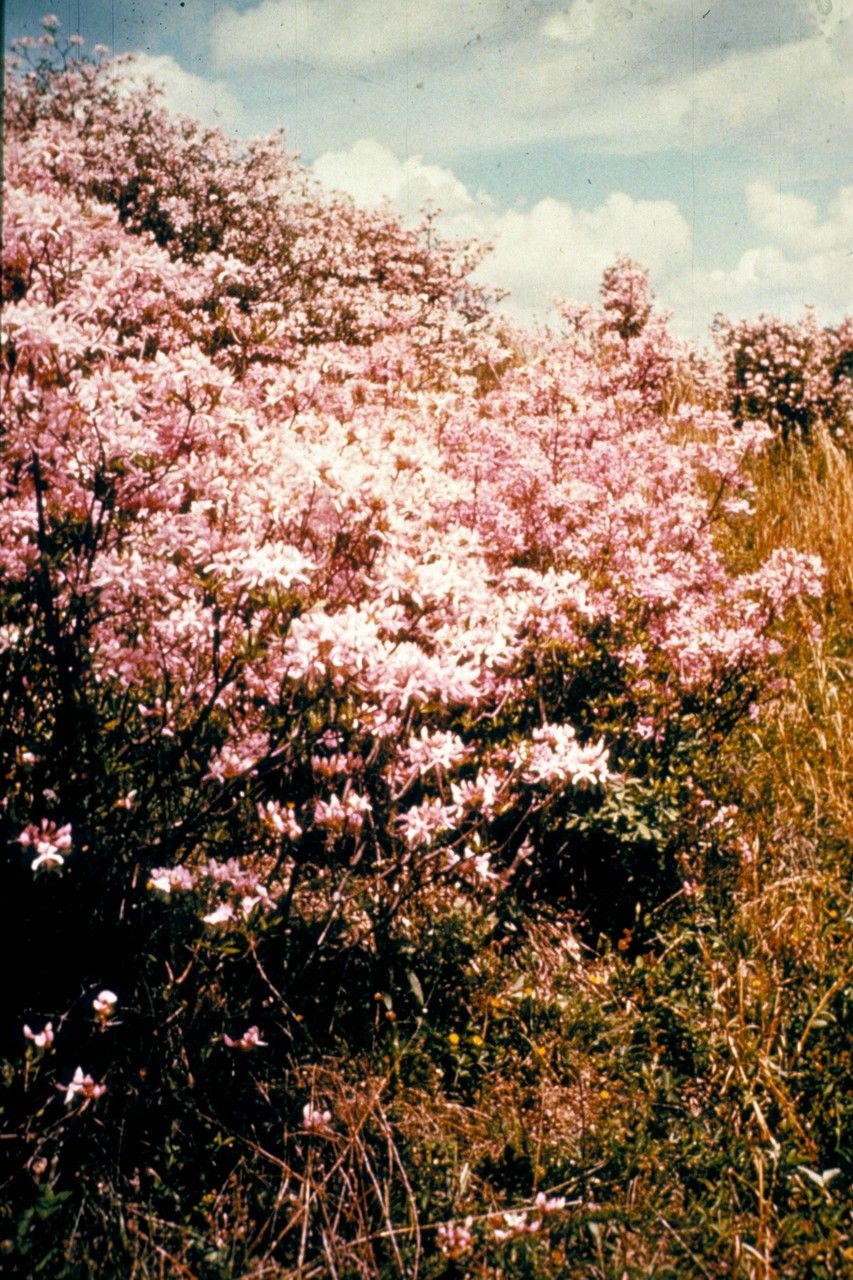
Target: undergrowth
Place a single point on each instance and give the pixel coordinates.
(683, 1100)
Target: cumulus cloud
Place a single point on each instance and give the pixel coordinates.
(772, 93)
(795, 225)
(630, 77)
(803, 258)
(575, 25)
(553, 249)
(370, 173)
(549, 250)
(210, 101)
(651, 77)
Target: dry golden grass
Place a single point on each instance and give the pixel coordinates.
(779, 981)
(805, 500)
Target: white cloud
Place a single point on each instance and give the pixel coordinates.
(632, 95)
(764, 280)
(357, 33)
(184, 92)
(586, 18)
(628, 76)
(554, 249)
(551, 249)
(575, 26)
(798, 93)
(803, 259)
(794, 224)
(370, 173)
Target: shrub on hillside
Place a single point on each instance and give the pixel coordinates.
(322, 660)
(280, 263)
(795, 377)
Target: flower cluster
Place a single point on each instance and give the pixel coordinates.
(323, 564)
(104, 1005)
(51, 843)
(455, 1238)
(83, 1086)
(554, 755)
(243, 889)
(792, 376)
(527, 1221)
(315, 1120)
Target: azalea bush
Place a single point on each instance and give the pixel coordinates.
(345, 637)
(795, 377)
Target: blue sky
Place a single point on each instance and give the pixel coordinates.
(708, 138)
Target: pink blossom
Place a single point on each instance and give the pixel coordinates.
(41, 1039)
(473, 864)
(482, 792)
(315, 1120)
(327, 555)
(250, 1039)
(50, 842)
(455, 1238)
(554, 755)
(423, 823)
(549, 1204)
(342, 815)
(435, 750)
(516, 1223)
(223, 914)
(83, 1085)
(167, 879)
(104, 1005)
(240, 757)
(280, 819)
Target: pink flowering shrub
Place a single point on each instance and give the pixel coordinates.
(793, 377)
(311, 638)
(279, 263)
(626, 340)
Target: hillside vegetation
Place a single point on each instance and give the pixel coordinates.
(425, 744)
